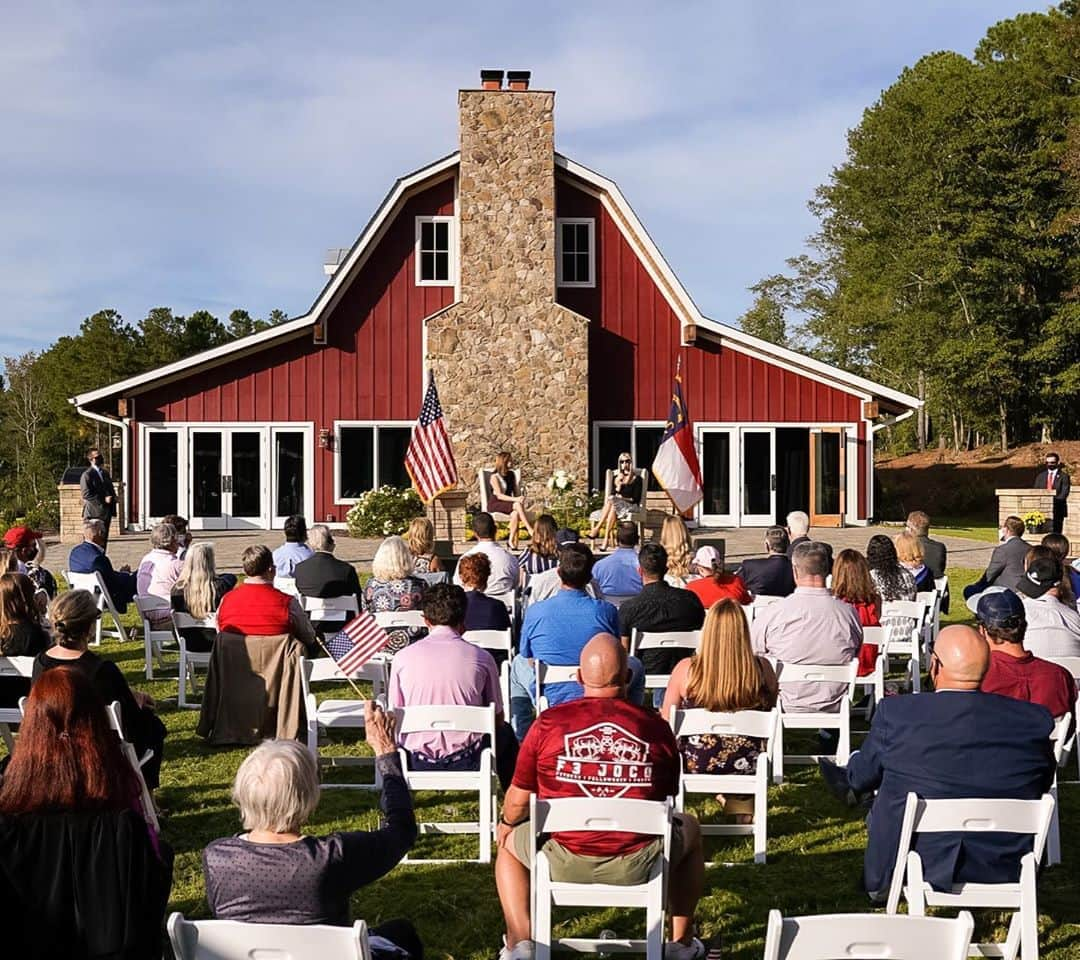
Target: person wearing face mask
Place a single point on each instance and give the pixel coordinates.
(1055, 479)
(98, 493)
(1006, 566)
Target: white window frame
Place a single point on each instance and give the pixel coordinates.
(590, 222)
(451, 280)
(377, 425)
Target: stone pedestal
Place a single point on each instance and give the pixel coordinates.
(1016, 501)
(447, 514)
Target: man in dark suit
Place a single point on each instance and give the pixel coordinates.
(322, 574)
(935, 553)
(89, 557)
(770, 576)
(98, 493)
(1006, 566)
(956, 743)
(1056, 479)
(798, 531)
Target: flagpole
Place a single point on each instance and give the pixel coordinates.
(348, 679)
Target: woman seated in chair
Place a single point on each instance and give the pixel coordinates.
(723, 676)
(851, 583)
(910, 554)
(393, 587)
(82, 873)
(481, 611)
(507, 498)
(675, 539)
(198, 593)
(274, 873)
(420, 539)
(21, 632)
(73, 615)
(542, 553)
(624, 499)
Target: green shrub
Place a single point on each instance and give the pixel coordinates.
(383, 512)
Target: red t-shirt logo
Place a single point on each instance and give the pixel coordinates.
(604, 760)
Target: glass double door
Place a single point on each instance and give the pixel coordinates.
(228, 478)
(738, 468)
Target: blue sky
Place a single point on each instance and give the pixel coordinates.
(204, 155)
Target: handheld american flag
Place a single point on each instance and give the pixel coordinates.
(429, 459)
(676, 465)
(357, 643)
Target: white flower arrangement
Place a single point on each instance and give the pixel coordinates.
(560, 481)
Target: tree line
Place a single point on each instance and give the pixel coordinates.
(947, 262)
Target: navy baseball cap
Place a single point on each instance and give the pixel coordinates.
(566, 535)
(1000, 608)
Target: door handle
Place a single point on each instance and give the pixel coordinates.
(226, 483)
(772, 482)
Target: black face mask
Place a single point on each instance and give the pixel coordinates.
(97, 461)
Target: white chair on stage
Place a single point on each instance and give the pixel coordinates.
(976, 815)
(685, 640)
(496, 641)
(96, 586)
(13, 667)
(233, 940)
(191, 660)
(483, 476)
(157, 630)
(651, 818)
(551, 673)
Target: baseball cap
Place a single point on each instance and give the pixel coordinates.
(18, 537)
(1000, 608)
(566, 535)
(706, 557)
(1041, 576)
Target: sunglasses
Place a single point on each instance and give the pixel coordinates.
(621, 462)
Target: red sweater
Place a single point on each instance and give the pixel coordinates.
(254, 610)
(869, 616)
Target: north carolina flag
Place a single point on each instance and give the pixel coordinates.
(676, 465)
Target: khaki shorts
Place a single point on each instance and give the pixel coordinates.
(626, 870)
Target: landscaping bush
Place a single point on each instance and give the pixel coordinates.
(383, 512)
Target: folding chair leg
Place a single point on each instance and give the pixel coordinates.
(843, 746)
(915, 894)
(541, 921)
(654, 937)
(1028, 913)
(778, 773)
(1053, 836)
(181, 693)
(485, 825)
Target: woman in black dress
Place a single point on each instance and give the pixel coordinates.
(624, 498)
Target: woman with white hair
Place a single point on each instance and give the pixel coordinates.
(159, 569)
(273, 873)
(198, 593)
(393, 588)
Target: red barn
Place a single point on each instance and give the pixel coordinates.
(552, 323)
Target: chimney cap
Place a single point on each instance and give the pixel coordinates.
(518, 79)
(491, 79)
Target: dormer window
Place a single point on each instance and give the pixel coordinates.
(575, 252)
(435, 264)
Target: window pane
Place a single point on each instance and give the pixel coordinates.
(206, 474)
(246, 474)
(582, 267)
(612, 441)
(442, 266)
(442, 235)
(427, 266)
(757, 473)
(716, 472)
(569, 271)
(427, 235)
(289, 467)
(393, 442)
(163, 461)
(647, 443)
(826, 473)
(568, 237)
(582, 239)
(357, 461)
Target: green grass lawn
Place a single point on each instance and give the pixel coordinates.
(983, 530)
(815, 850)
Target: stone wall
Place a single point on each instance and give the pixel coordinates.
(511, 365)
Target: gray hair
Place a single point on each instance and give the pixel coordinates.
(163, 536)
(393, 560)
(798, 523)
(319, 537)
(811, 559)
(277, 787)
(92, 529)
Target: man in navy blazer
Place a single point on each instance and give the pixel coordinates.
(955, 743)
(770, 576)
(89, 557)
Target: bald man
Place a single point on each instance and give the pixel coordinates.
(599, 746)
(957, 742)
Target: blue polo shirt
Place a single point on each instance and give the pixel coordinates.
(618, 574)
(555, 631)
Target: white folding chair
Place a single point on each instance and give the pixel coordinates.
(96, 586)
(234, 940)
(157, 630)
(916, 612)
(840, 720)
(688, 640)
(340, 714)
(867, 935)
(146, 801)
(1072, 664)
(551, 673)
(456, 719)
(433, 577)
(650, 818)
(330, 610)
(287, 585)
(483, 476)
(13, 667)
(1059, 737)
(765, 600)
(399, 619)
(190, 660)
(747, 723)
(496, 641)
(970, 816)
(931, 601)
(875, 680)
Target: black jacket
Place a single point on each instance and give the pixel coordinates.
(1062, 484)
(324, 575)
(935, 556)
(95, 488)
(769, 576)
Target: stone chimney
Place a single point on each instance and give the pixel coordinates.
(511, 364)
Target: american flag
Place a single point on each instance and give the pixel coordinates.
(357, 643)
(429, 459)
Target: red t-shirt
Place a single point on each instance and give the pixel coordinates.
(730, 586)
(1029, 678)
(596, 747)
(869, 615)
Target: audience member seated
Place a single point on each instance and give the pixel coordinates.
(29, 549)
(1006, 566)
(771, 575)
(1016, 672)
(295, 549)
(21, 632)
(482, 612)
(798, 531)
(256, 609)
(935, 553)
(956, 743)
(711, 583)
(892, 581)
(82, 874)
(322, 574)
(1053, 629)
(909, 553)
(183, 534)
(602, 856)
(199, 592)
(73, 615)
(442, 669)
(420, 539)
(675, 539)
(555, 631)
(274, 873)
(89, 557)
(504, 565)
(159, 569)
(810, 626)
(1059, 545)
(617, 573)
(723, 676)
(851, 582)
(544, 586)
(659, 608)
(394, 588)
(542, 553)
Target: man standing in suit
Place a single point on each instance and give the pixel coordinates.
(98, 493)
(956, 743)
(89, 557)
(770, 576)
(322, 574)
(1056, 479)
(1006, 566)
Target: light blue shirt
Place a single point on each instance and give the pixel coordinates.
(288, 555)
(618, 574)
